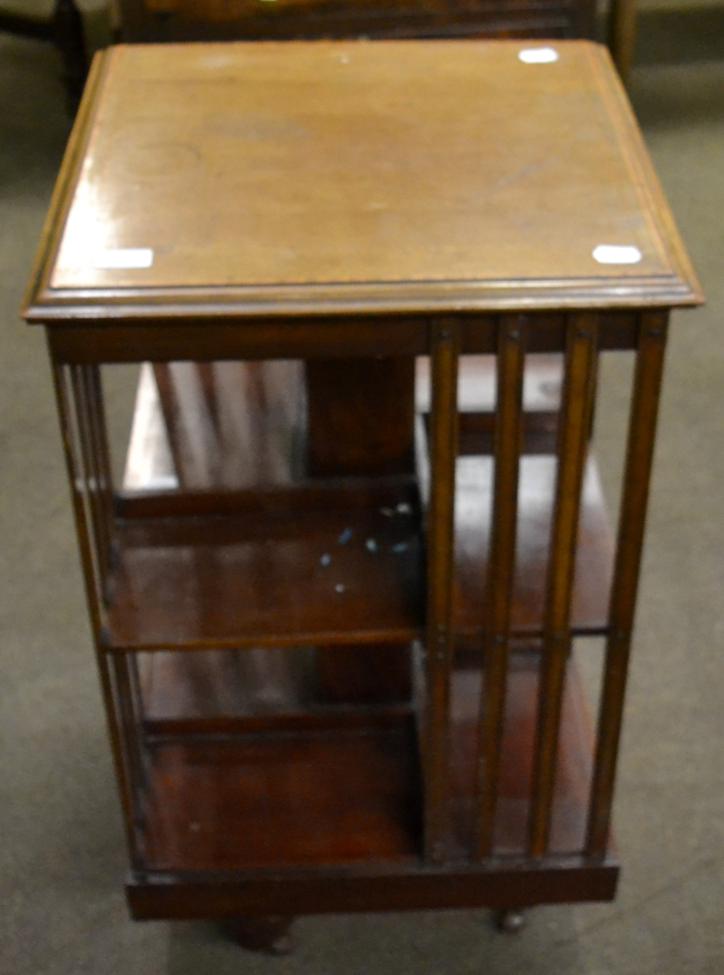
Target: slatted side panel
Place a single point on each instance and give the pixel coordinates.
(82, 423)
(444, 352)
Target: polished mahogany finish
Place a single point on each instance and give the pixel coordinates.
(186, 20)
(211, 20)
(387, 188)
(335, 596)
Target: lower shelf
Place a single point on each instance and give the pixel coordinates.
(284, 800)
(342, 792)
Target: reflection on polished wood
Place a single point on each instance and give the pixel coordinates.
(383, 141)
(302, 576)
(344, 797)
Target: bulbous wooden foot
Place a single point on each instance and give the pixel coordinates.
(268, 935)
(510, 922)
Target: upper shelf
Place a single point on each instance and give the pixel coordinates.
(328, 177)
(294, 569)
(318, 563)
(343, 568)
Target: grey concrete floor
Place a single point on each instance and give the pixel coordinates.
(61, 852)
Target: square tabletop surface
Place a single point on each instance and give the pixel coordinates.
(362, 177)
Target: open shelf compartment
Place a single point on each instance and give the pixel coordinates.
(296, 567)
(317, 797)
(322, 562)
(343, 786)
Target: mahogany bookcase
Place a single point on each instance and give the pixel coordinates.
(334, 596)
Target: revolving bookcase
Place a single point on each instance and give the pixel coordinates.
(335, 589)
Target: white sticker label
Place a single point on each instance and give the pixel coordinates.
(123, 257)
(538, 55)
(616, 254)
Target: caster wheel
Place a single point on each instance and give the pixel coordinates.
(267, 935)
(510, 922)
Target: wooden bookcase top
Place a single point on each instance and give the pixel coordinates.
(363, 178)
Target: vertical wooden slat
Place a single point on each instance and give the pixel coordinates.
(100, 438)
(129, 724)
(73, 462)
(101, 529)
(622, 35)
(632, 518)
(76, 477)
(138, 712)
(445, 345)
(573, 435)
(125, 757)
(593, 387)
(136, 687)
(501, 565)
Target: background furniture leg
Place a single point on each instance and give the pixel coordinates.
(68, 29)
(622, 35)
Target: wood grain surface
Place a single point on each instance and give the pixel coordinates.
(379, 176)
